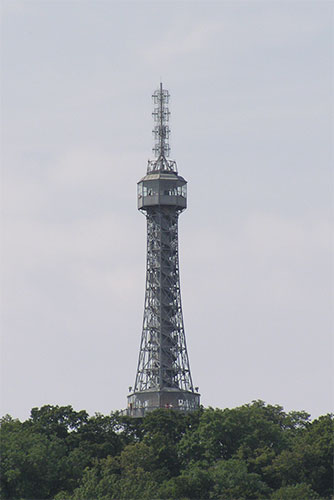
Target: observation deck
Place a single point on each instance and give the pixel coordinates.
(162, 188)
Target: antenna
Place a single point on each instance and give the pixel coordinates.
(161, 132)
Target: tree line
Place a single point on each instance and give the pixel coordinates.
(255, 451)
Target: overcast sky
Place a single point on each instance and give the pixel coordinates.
(252, 89)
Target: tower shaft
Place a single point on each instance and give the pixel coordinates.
(163, 359)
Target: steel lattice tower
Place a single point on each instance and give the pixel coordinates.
(163, 378)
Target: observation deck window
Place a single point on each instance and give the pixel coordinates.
(182, 191)
(169, 192)
(147, 191)
(154, 190)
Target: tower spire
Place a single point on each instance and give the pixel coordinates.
(161, 132)
(163, 378)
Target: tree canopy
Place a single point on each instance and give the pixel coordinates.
(255, 451)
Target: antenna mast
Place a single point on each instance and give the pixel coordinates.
(161, 132)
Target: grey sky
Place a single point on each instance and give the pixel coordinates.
(252, 90)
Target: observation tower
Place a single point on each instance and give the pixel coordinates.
(163, 378)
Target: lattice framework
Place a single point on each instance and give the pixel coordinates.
(163, 359)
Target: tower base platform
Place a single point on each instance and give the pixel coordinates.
(141, 403)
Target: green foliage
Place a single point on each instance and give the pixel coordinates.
(49, 452)
(131, 475)
(62, 495)
(243, 431)
(251, 452)
(138, 456)
(299, 491)
(100, 481)
(232, 480)
(195, 482)
(309, 460)
(33, 465)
